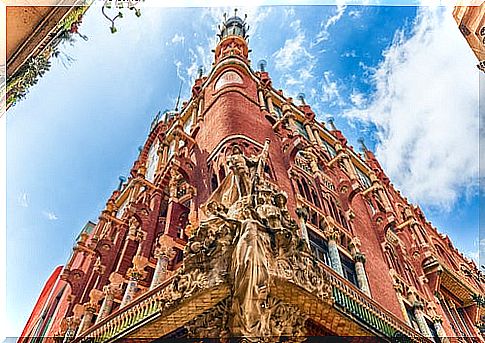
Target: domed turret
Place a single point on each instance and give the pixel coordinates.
(232, 38)
(234, 26)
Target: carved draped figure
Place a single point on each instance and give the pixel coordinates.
(251, 279)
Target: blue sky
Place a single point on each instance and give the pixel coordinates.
(384, 73)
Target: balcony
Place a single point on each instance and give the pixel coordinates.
(348, 312)
(352, 302)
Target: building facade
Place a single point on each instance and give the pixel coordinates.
(245, 218)
(470, 18)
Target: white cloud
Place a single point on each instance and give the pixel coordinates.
(23, 200)
(50, 215)
(178, 39)
(425, 110)
(324, 35)
(330, 90)
(294, 55)
(357, 99)
(355, 14)
(350, 53)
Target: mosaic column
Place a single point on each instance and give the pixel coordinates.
(400, 300)
(418, 313)
(163, 253)
(110, 292)
(135, 274)
(71, 326)
(86, 322)
(359, 259)
(335, 263)
(107, 304)
(90, 308)
(437, 320)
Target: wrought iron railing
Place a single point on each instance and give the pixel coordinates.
(356, 304)
(347, 298)
(127, 318)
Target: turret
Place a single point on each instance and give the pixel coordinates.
(232, 38)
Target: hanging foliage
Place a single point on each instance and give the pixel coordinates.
(35, 67)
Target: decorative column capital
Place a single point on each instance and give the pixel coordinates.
(302, 213)
(359, 257)
(95, 295)
(137, 272)
(355, 245)
(418, 305)
(332, 233)
(164, 247)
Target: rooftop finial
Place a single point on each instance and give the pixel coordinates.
(200, 71)
(262, 65)
(362, 144)
(233, 26)
(122, 181)
(332, 124)
(301, 97)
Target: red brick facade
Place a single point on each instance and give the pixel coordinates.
(413, 271)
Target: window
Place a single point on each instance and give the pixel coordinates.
(319, 247)
(188, 124)
(332, 209)
(301, 129)
(433, 331)
(279, 112)
(363, 178)
(329, 148)
(412, 318)
(214, 183)
(348, 267)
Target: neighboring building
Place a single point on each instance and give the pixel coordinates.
(471, 21)
(33, 36)
(243, 216)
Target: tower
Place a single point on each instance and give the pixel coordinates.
(245, 218)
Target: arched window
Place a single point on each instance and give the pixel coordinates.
(306, 189)
(315, 199)
(214, 183)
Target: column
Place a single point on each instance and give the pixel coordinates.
(131, 287)
(317, 137)
(336, 264)
(107, 304)
(163, 253)
(89, 311)
(302, 216)
(269, 100)
(359, 259)
(262, 105)
(309, 131)
(400, 300)
(71, 323)
(350, 167)
(135, 274)
(418, 313)
(200, 114)
(437, 320)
